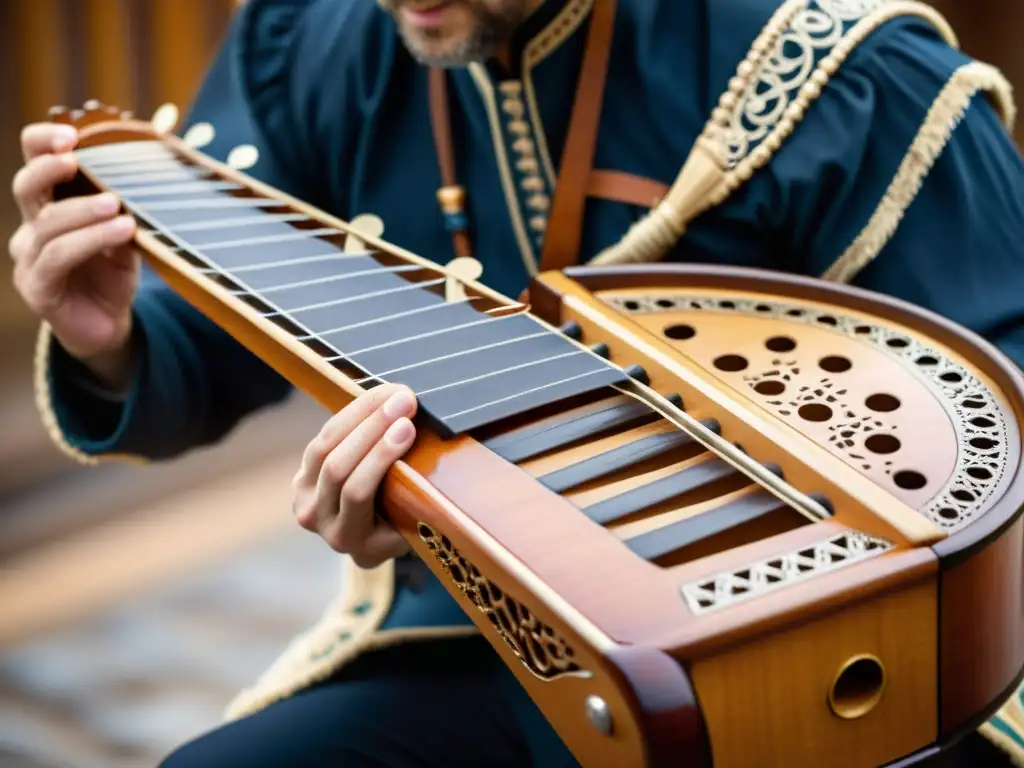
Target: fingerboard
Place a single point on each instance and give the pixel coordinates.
(376, 316)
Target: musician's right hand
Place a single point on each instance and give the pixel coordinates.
(343, 467)
(73, 263)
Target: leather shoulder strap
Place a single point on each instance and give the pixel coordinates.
(576, 178)
(565, 221)
(451, 196)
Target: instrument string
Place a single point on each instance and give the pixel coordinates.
(132, 175)
(453, 355)
(397, 340)
(499, 372)
(350, 299)
(428, 334)
(243, 220)
(298, 234)
(333, 278)
(518, 395)
(210, 202)
(186, 188)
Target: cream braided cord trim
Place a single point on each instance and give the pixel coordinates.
(728, 153)
(350, 627)
(44, 405)
(943, 118)
(1011, 715)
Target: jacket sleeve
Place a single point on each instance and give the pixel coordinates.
(903, 179)
(194, 383)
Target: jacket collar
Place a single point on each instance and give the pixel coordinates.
(550, 25)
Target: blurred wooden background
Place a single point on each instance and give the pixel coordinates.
(136, 54)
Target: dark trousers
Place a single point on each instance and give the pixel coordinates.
(438, 704)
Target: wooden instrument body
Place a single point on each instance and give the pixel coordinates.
(637, 660)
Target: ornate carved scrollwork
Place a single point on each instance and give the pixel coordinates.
(541, 649)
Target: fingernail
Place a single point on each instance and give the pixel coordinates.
(399, 404)
(63, 137)
(400, 432)
(106, 204)
(122, 225)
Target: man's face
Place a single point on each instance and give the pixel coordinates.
(452, 33)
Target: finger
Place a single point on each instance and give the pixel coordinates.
(338, 428)
(56, 219)
(21, 244)
(341, 461)
(44, 138)
(328, 503)
(385, 543)
(33, 184)
(62, 255)
(354, 523)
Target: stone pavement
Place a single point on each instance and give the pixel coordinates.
(120, 688)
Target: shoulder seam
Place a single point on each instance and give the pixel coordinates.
(942, 120)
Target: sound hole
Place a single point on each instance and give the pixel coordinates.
(680, 332)
(835, 364)
(857, 688)
(882, 403)
(771, 387)
(731, 363)
(909, 480)
(815, 412)
(882, 444)
(780, 344)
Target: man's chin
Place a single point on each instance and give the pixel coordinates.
(442, 51)
(437, 56)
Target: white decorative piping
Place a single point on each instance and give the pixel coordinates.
(348, 628)
(47, 414)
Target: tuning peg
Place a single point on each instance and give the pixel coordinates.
(165, 118)
(365, 225)
(243, 157)
(92, 105)
(59, 114)
(199, 135)
(460, 270)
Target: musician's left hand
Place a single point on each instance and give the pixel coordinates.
(343, 467)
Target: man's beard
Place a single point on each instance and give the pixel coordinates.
(490, 30)
(480, 45)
